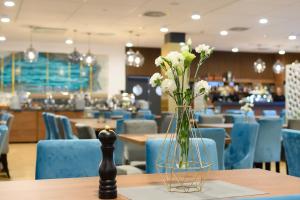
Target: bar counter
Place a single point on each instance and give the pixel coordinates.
(258, 107)
(28, 125)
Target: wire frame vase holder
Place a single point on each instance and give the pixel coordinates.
(182, 154)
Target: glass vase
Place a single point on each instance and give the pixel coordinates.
(183, 150)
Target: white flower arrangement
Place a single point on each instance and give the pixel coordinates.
(247, 107)
(177, 67)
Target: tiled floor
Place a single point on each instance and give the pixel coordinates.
(21, 160)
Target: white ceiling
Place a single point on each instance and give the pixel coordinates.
(114, 18)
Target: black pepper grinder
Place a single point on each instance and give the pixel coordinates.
(107, 169)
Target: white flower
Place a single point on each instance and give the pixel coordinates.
(155, 79)
(170, 74)
(189, 42)
(202, 86)
(168, 85)
(175, 58)
(158, 61)
(203, 48)
(185, 48)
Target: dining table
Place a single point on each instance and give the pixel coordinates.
(271, 183)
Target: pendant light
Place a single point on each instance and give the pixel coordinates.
(75, 56)
(259, 66)
(130, 54)
(139, 58)
(31, 55)
(130, 57)
(278, 67)
(89, 58)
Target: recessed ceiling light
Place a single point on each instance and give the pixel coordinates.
(129, 44)
(69, 41)
(5, 19)
(195, 16)
(235, 50)
(9, 3)
(281, 52)
(223, 33)
(164, 29)
(2, 38)
(263, 21)
(292, 37)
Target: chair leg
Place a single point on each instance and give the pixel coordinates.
(268, 166)
(258, 165)
(277, 167)
(5, 164)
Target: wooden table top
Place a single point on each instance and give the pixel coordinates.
(95, 123)
(87, 188)
(141, 139)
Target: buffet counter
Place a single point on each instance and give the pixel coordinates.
(258, 107)
(28, 125)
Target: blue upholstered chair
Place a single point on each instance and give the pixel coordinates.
(67, 128)
(67, 158)
(287, 197)
(216, 134)
(240, 153)
(124, 113)
(3, 133)
(269, 113)
(48, 131)
(153, 147)
(291, 142)
(268, 145)
(54, 131)
(234, 111)
(168, 124)
(242, 118)
(119, 145)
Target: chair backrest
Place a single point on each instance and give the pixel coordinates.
(207, 147)
(268, 145)
(60, 127)
(216, 134)
(234, 111)
(3, 135)
(240, 153)
(47, 126)
(294, 124)
(137, 126)
(269, 113)
(168, 124)
(9, 118)
(85, 132)
(211, 119)
(67, 127)
(243, 118)
(140, 126)
(54, 131)
(291, 142)
(67, 158)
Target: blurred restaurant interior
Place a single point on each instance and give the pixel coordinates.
(131, 89)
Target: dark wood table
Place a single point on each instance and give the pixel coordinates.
(141, 139)
(87, 188)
